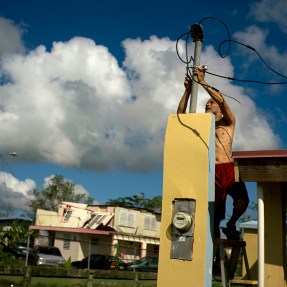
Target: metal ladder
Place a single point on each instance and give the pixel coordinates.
(228, 266)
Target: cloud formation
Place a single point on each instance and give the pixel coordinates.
(76, 106)
(10, 37)
(15, 193)
(21, 191)
(267, 11)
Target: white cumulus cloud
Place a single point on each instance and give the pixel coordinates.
(75, 105)
(15, 193)
(270, 11)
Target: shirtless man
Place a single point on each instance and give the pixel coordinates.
(224, 167)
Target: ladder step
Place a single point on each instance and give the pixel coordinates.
(229, 265)
(244, 282)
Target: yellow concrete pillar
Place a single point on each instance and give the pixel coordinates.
(188, 174)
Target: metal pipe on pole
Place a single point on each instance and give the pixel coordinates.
(28, 250)
(89, 261)
(196, 32)
(261, 231)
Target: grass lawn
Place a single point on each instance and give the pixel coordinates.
(7, 281)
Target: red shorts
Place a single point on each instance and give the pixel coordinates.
(225, 184)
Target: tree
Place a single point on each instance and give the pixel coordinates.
(59, 189)
(137, 201)
(16, 231)
(155, 202)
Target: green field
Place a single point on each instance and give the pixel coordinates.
(16, 281)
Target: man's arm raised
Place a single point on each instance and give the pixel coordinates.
(184, 100)
(216, 96)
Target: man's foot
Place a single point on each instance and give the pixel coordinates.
(231, 234)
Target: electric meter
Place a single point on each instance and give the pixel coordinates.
(182, 220)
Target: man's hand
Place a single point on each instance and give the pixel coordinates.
(184, 99)
(200, 73)
(187, 82)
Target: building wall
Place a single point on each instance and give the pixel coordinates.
(137, 222)
(67, 244)
(77, 246)
(73, 214)
(251, 239)
(52, 218)
(46, 217)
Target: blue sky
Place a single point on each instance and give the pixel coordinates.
(87, 87)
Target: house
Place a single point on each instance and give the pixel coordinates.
(79, 230)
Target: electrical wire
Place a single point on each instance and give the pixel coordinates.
(4, 164)
(254, 50)
(229, 37)
(5, 185)
(186, 43)
(188, 60)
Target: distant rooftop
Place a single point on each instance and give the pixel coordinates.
(253, 224)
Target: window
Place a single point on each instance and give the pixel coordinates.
(95, 246)
(127, 218)
(67, 241)
(67, 214)
(149, 222)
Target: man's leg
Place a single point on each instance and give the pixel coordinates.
(240, 198)
(240, 203)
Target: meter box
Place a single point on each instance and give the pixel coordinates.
(182, 228)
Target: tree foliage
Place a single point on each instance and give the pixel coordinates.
(16, 231)
(59, 189)
(137, 200)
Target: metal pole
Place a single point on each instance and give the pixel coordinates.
(261, 231)
(28, 250)
(196, 32)
(89, 255)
